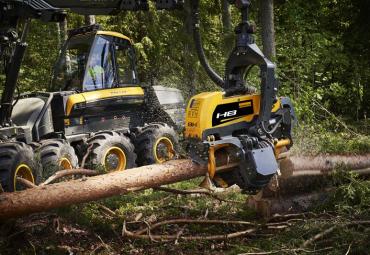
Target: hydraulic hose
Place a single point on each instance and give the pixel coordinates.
(199, 46)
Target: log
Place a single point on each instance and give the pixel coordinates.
(43, 198)
(304, 181)
(323, 163)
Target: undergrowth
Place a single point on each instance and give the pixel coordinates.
(316, 139)
(87, 229)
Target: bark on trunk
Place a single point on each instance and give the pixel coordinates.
(59, 34)
(94, 188)
(228, 37)
(323, 164)
(266, 14)
(366, 100)
(64, 26)
(226, 17)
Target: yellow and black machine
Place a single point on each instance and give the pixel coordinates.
(95, 89)
(250, 127)
(95, 106)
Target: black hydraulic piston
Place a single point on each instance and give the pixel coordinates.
(11, 84)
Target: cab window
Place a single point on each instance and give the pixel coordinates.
(100, 72)
(125, 60)
(70, 68)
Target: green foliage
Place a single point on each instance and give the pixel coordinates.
(322, 51)
(352, 197)
(315, 139)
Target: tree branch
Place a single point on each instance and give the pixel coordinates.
(189, 221)
(26, 183)
(152, 237)
(197, 191)
(68, 172)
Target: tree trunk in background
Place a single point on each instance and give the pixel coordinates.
(366, 98)
(228, 40)
(189, 57)
(59, 33)
(62, 29)
(90, 20)
(266, 15)
(64, 26)
(226, 17)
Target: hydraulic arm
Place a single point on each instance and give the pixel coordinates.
(244, 56)
(239, 123)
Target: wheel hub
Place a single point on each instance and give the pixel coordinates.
(163, 150)
(23, 171)
(65, 164)
(115, 159)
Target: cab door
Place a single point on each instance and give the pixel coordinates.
(125, 64)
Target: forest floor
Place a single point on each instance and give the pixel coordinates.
(96, 228)
(337, 224)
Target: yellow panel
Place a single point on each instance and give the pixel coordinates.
(201, 107)
(115, 34)
(245, 104)
(72, 100)
(101, 94)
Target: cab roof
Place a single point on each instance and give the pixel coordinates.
(115, 34)
(96, 28)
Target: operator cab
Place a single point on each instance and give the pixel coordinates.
(92, 59)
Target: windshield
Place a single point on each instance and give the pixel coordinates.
(70, 68)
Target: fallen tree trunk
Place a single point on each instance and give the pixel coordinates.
(43, 198)
(323, 164)
(304, 182)
(48, 197)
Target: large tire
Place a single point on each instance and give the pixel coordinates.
(156, 143)
(112, 151)
(57, 154)
(17, 159)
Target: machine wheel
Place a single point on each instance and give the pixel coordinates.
(111, 150)
(156, 143)
(17, 160)
(57, 154)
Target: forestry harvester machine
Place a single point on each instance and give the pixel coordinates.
(96, 105)
(237, 123)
